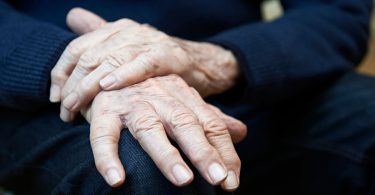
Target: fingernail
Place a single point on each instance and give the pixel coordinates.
(54, 93)
(231, 182)
(181, 174)
(113, 177)
(70, 101)
(217, 173)
(107, 82)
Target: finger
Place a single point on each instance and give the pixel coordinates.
(191, 97)
(147, 128)
(218, 136)
(104, 137)
(114, 50)
(86, 89)
(72, 53)
(141, 68)
(189, 135)
(66, 115)
(86, 112)
(82, 21)
(83, 86)
(237, 129)
(215, 129)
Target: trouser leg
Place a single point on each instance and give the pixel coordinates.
(319, 143)
(39, 154)
(314, 144)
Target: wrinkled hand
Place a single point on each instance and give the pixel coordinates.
(161, 107)
(122, 53)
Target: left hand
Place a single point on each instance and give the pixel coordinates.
(122, 53)
(157, 108)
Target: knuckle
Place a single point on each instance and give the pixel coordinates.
(74, 47)
(170, 153)
(182, 119)
(57, 75)
(101, 140)
(215, 126)
(201, 154)
(144, 27)
(126, 22)
(158, 36)
(144, 123)
(232, 160)
(117, 59)
(145, 126)
(163, 36)
(88, 61)
(149, 26)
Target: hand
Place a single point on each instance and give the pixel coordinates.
(161, 107)
(122, 53)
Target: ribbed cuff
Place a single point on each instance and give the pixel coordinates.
(259, 56)
(28, 66)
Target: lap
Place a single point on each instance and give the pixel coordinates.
(44, 155)
(311, 144)
(320, 143)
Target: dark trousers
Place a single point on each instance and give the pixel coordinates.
(322, 142)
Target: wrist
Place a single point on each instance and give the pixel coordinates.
(219, 66)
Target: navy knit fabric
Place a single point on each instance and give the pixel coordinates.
(318, 144)
(313, 41)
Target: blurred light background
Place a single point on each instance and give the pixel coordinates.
(272, 9)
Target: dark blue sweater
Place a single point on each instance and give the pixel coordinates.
(314, 40)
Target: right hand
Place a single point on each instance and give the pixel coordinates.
(159, 108)
(119, 54)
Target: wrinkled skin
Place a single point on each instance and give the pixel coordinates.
(152, 108)
(122, 53)
(164, 107)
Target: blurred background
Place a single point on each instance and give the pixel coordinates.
(272, 9)
(368, 65)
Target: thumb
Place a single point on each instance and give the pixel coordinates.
(82, 21)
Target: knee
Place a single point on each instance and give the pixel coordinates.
(142, 175)
(81, 175)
